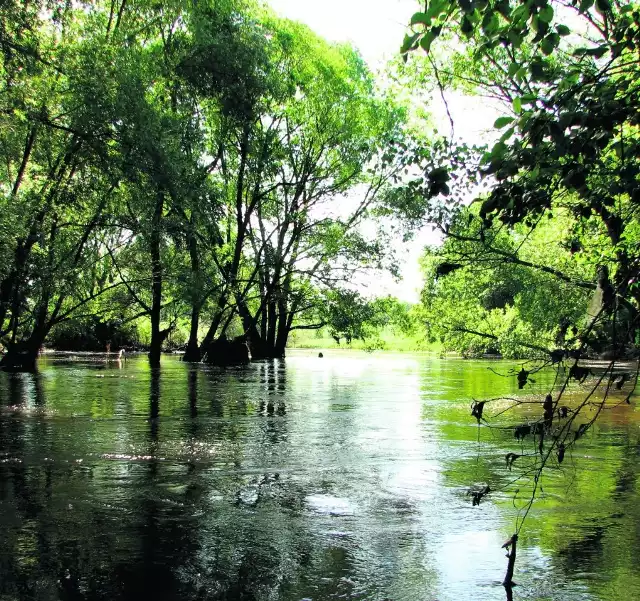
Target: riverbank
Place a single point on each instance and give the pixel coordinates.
(386, 341)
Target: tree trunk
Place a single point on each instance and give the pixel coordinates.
(23, 356)
(508, 582)
(283, 329)
(213, 328)
(272, 321)
(192, 352)
(257, 345)
(157, 336)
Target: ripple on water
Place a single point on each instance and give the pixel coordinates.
(330, 505)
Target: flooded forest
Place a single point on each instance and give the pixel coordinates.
(217, 380)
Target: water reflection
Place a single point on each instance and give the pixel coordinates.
(339, 478)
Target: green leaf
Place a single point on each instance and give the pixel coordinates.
(409, 43)
(585, 5)
(466, 27)
(520, 14)
(20, 115)
(537, 68)
(498, 151)
(428, 38)
(507, 134)
(502, 122)
(563, 30)
(603, 6)
(420, 19)
(490, 23)
(502, 6)
(550, 43)
(546, 14)
(513, 69)
(535, 23)
(529, 98)
(435, 8)
(524, 120)
(515, 38)
(517, 105)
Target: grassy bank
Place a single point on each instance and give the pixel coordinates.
(387, 340)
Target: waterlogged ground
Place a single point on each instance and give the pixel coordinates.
(337, 478)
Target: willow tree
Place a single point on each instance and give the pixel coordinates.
(104, 150)
(207, 162)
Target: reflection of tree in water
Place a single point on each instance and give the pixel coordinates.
(43, 541)
(252, 539)
(193, 393)
(164, 537)
(585, 553)
(154, 405)
(16, 492)
(172, 526)
(582, 537)
(272, 386)
(605, 539)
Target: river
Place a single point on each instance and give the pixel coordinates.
(343, 477)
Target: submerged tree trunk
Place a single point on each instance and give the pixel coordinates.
(225, 352)
(260, 348)
(284, 327)
(254, 340)
(215, 325)
(23, 355)
(157, 336)
(508, 582)
(192, 352)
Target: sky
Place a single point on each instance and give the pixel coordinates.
(376, 28)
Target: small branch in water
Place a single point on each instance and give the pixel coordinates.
(508, 582)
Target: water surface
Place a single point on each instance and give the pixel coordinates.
(338, 478)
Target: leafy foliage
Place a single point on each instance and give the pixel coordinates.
(565, 172)
(504, 295)
(182, 164)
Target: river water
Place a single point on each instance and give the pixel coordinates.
(343, 477)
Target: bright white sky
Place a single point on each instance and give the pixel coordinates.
(376, 28)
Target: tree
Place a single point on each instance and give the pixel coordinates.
(204, 163)
(309, 132)
(60, 185)
(569, 140)
(518, 293)
(568, 147)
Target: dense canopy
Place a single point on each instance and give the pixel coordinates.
(203, 169)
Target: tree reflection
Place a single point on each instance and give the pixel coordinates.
(154, 403)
